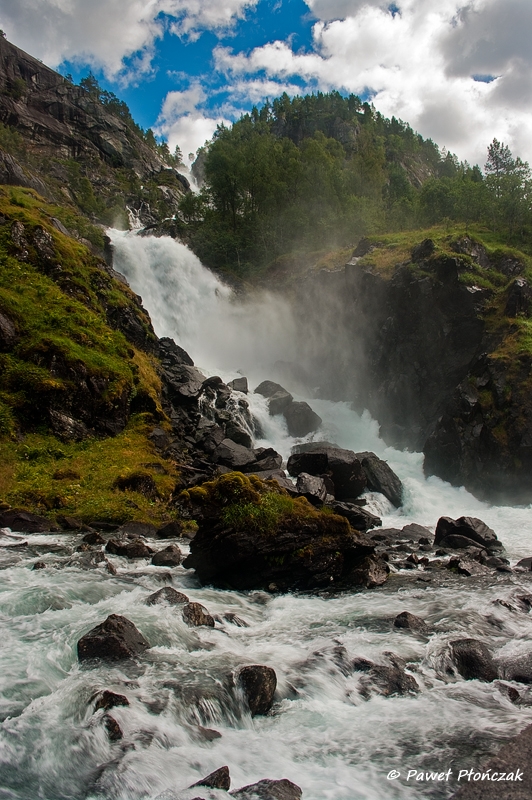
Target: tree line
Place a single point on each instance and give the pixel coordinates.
(322, 170)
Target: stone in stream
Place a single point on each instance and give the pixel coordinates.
(372, 571)
(93, 538)
(108, 700)
(115, 639)
(259, 684)
(301, 419)
(381, 478)
(166, 596)
(279, 402)
(24, 521)
(269, 388)
(239, 385)
(197, 615)
(387, 680)
(171, 556)
(172, 530)
(469, 527)
(219, 779)
(516, 668)
(342, 466)
(467, 566)
(114, 731)
(407, 621)
(358, 517)
(473, 660)
(269, 790)
(135, 549)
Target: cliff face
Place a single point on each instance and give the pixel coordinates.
(433, 340)
(70, 147)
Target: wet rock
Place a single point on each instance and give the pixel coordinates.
(456, 542)
(359, 518)
(134, 549)
(69, 523)
(525, 564)
(171, 530)
(385, 680)
(24, 521)
(342, 466)
(197, 615)
(166, 596)
(233, 455)
(92, 560)
(266, 459)
(115, 639)
(407, 621)
(381, 478)
(466, 566)
(372, 571)
(93, 538)
(239, 385)
(114, 731)
(517, 668)
(138, 529)
(418, 533)
(269, 388)
(39, 565)
(108, 700)
(219, 779)
(301, 419)
(279, 402)
(259, 684)
(473, 660)
(470, 528)
(235, 620)
(311, 487)
(269, 790)
(169, 557)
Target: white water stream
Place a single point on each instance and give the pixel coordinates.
(321, 733)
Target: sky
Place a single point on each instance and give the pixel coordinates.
(459, 73)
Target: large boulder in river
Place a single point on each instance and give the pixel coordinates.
(359, 518)
(24, 521)
(381, 478)
(269, 790)
(301, 419)
(258, 684)
(471, 528)
(113, 640)
(342, 466)
(253, 535)
(473, 660)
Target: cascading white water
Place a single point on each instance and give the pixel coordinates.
(321, 734)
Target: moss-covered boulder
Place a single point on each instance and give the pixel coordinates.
(253, 535)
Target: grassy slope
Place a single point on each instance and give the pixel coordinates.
(66, 317)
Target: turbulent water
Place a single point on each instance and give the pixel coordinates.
(322, 734)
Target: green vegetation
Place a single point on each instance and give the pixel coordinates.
(50, 477)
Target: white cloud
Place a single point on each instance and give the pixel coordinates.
(418, 65)
(183, 122)
(105, 32)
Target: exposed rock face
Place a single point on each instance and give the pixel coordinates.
(113, 640)
(303, 553)
(473, 660)
(342, 466)
(381, 478)
(259, 684)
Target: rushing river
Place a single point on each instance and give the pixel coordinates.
(321, 734)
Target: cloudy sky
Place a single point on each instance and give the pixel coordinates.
(459, 73)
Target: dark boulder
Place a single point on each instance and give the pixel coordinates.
(171, 354)
(359, 518)
(342, 466)
(134, 530)
(219, 779)
(386, 680)
(166, 596)
(115, 639)
(305, 551)
(312, 488)
(517, 668)
(266, 459)
(301, 419)
(169, 557)
(114, 731)
(469, 567)
(381, 478)
(24, 521)
(372, 571)
(473, 660)
(108, 700)
(239, 385)
(197, 615)
(471, 528)
(456, 542)
(259, 684)
(269, 388)
(417, 532)
(171, 530)
(8, 334)
(269, 790)
(233, 455)
(93, 538)
(135, 549)
(423, 250)
(279, 402)
(407, 621)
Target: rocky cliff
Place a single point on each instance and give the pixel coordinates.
(62, 141)
(432, 336)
